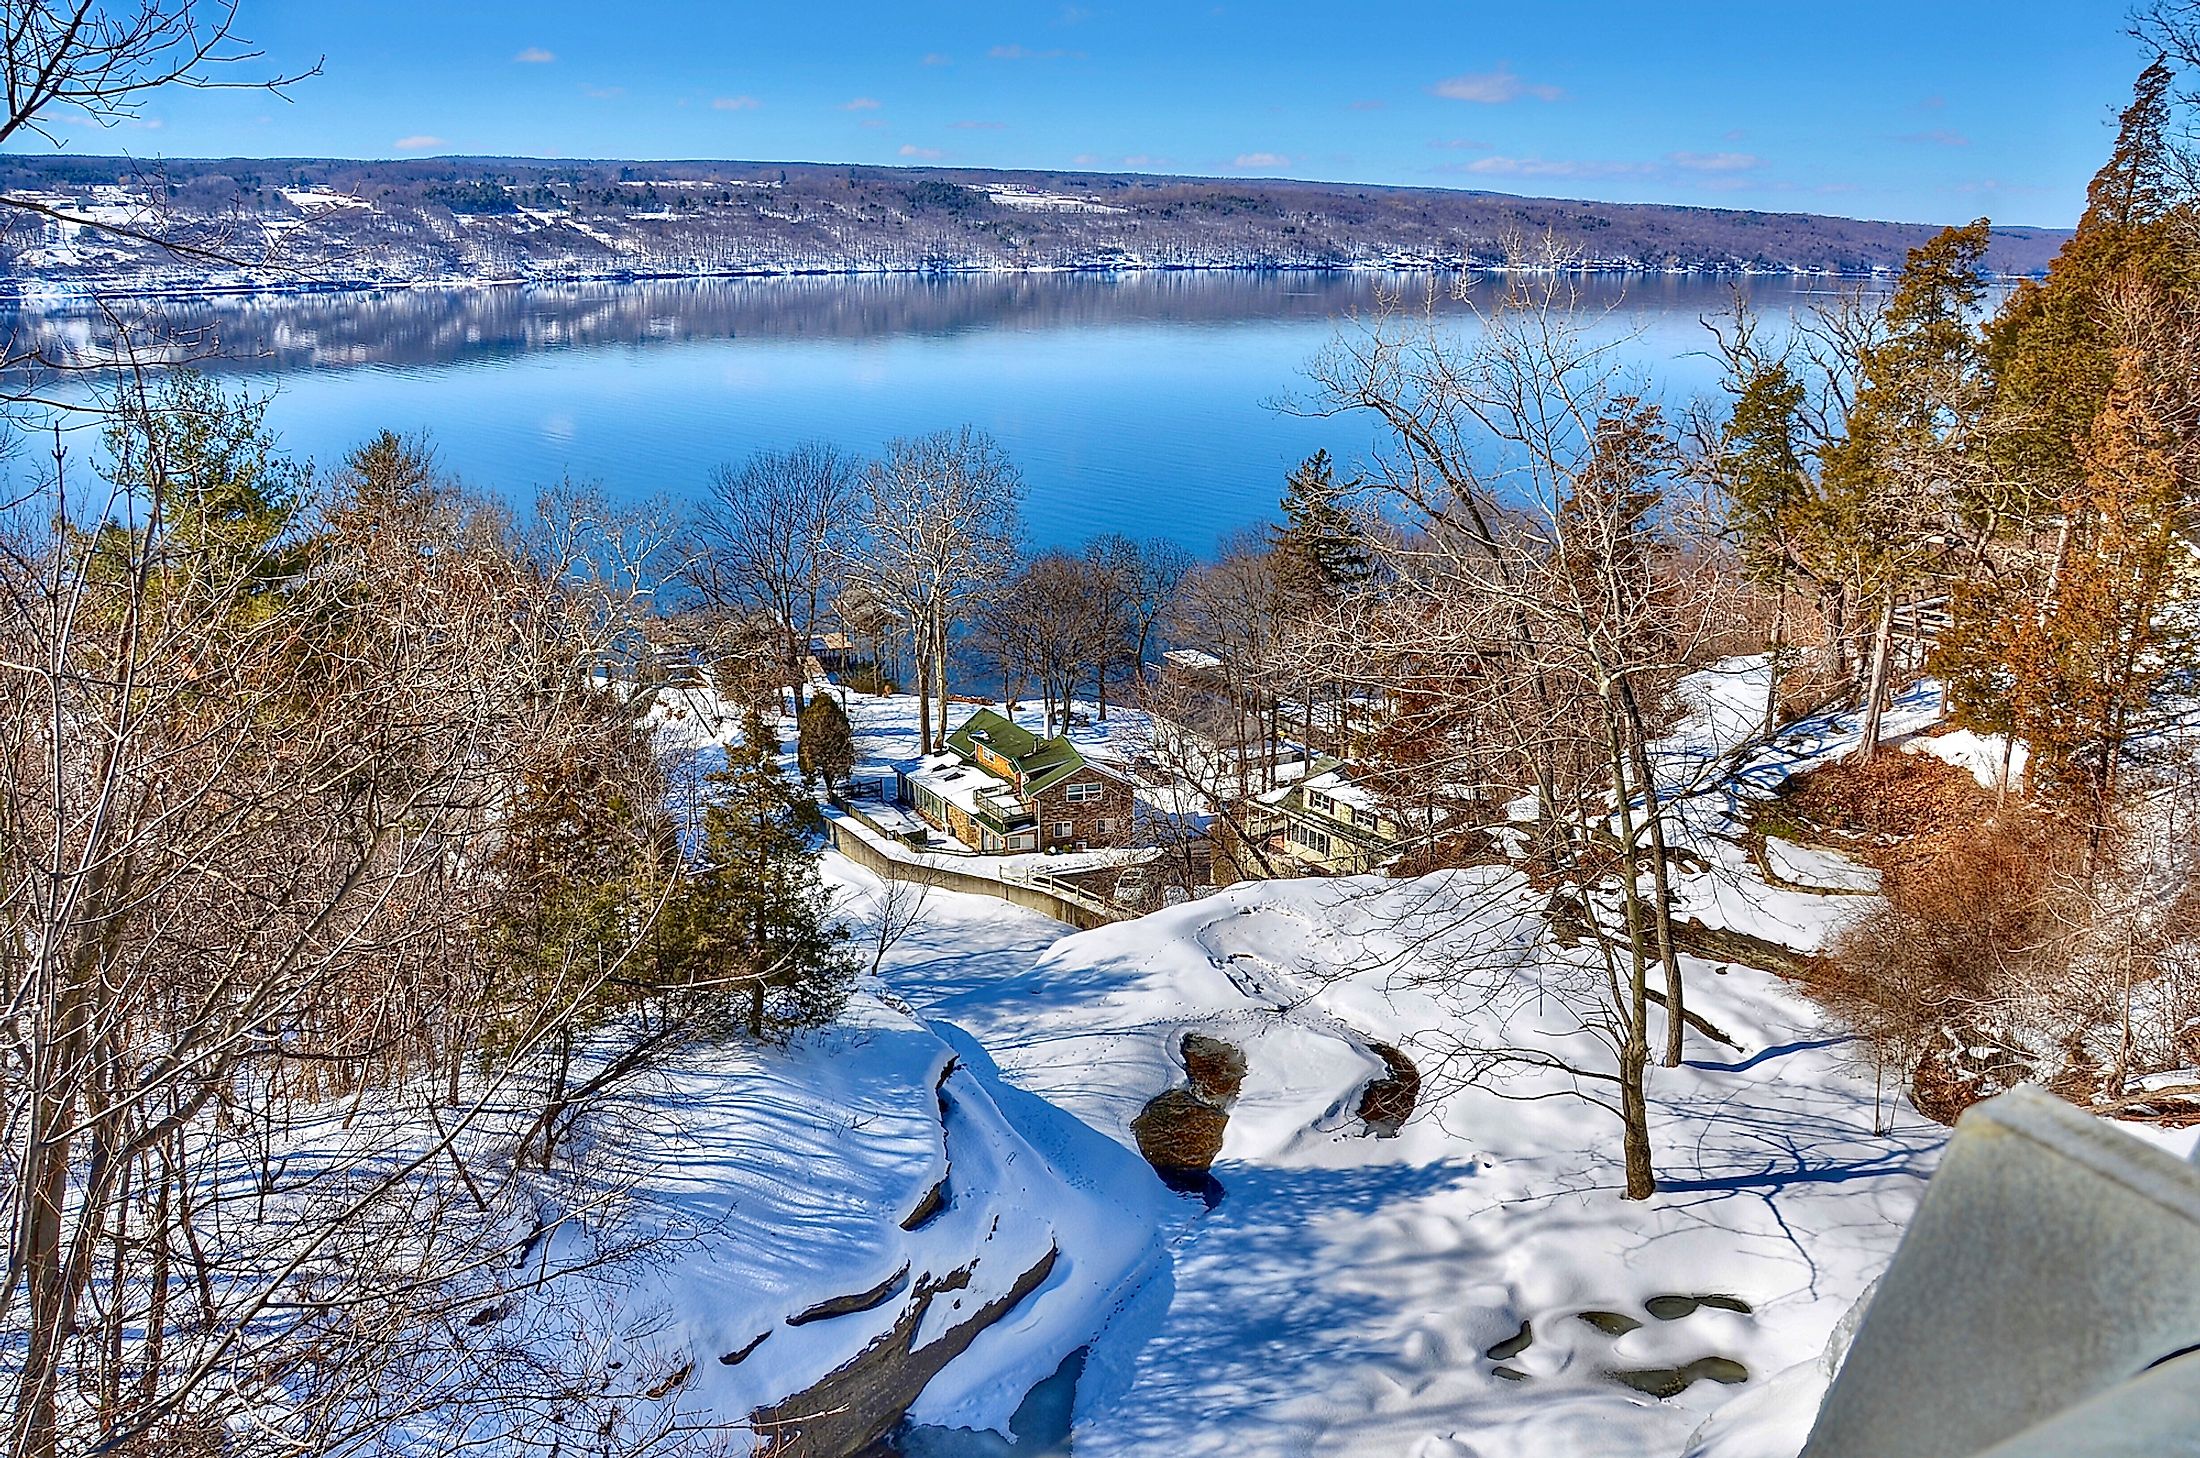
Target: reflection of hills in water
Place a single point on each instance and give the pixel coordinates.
(417, 327)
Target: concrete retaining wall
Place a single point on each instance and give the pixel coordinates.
(1081, 912)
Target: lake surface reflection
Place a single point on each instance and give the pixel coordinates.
(1143, 403)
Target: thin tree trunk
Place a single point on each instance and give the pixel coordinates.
(1837, 630)
(1634, 1104)
(1875, 689)
(1660, 877)
(919, 649)
(1773, 666)
(1634, 1045)
(939, 671)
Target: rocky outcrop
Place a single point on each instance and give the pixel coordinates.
(1180, 1130)
(877, 1296)
(1709, 943)
(1180, 1134)
(1215, 1069)
(857, 1403)
(1387, 1102)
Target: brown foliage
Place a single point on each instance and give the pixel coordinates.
(1971, 912)
(1890, 795)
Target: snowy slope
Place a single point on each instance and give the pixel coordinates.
(1344, 1296)
(782, 1179)
(1341, 1297)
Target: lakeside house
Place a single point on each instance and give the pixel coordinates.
(999, 788)
(1326, 824)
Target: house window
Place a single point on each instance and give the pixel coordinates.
(1082, 793)
(1316, 800)
(1063, 830)
(1104, 827)
(1310, 838)
(1022, 840)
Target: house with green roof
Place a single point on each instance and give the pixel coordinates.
(998, 788)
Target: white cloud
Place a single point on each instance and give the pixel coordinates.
(1551, 167)
(1261, 159)
(1492, 88)
(421, 143)
(928, 154)
(1714, 161)
(603, 93)
(735, 103)
(937, 58)
(1025, 53)
(1459, 144)
(535, 56)
(861, 103)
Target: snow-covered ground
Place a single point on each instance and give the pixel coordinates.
(1343, 1295)
(1347, 1292)
(796, 1172)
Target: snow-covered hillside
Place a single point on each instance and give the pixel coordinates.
(1473, 1285)
(1344, 1294)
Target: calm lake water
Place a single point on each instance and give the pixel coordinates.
(1139, 403)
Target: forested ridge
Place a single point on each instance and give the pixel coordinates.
(305, 221)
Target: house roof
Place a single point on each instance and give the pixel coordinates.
(1040, 763)
(996, 732)
(956, 780)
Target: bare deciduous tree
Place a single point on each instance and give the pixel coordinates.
(265, 1059)
(1538, 588)
(939, 531)
(775, 533)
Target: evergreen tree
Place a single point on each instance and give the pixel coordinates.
(1893, 485)
(825, 746)
(756, 908)
(202, 465)
(1322, 543)
(2052, 359)
(1771, 497)
(2060, 631)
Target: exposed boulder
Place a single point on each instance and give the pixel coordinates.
(1180, 1134)
(1215, 1069)
(1180, 1130)
(1387, 1102)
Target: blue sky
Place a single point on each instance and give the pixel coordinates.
(1933, 110)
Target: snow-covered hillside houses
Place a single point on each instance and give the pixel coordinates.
(997, 787)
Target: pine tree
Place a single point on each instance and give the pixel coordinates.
(203, 465)
(756, 908)
(2058, 632)
(1322, 543)
(825, 745)
(1892, 486)
(2082, 667)
(1770, 498)
(2049, 349)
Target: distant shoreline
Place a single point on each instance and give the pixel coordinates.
(60, 297)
